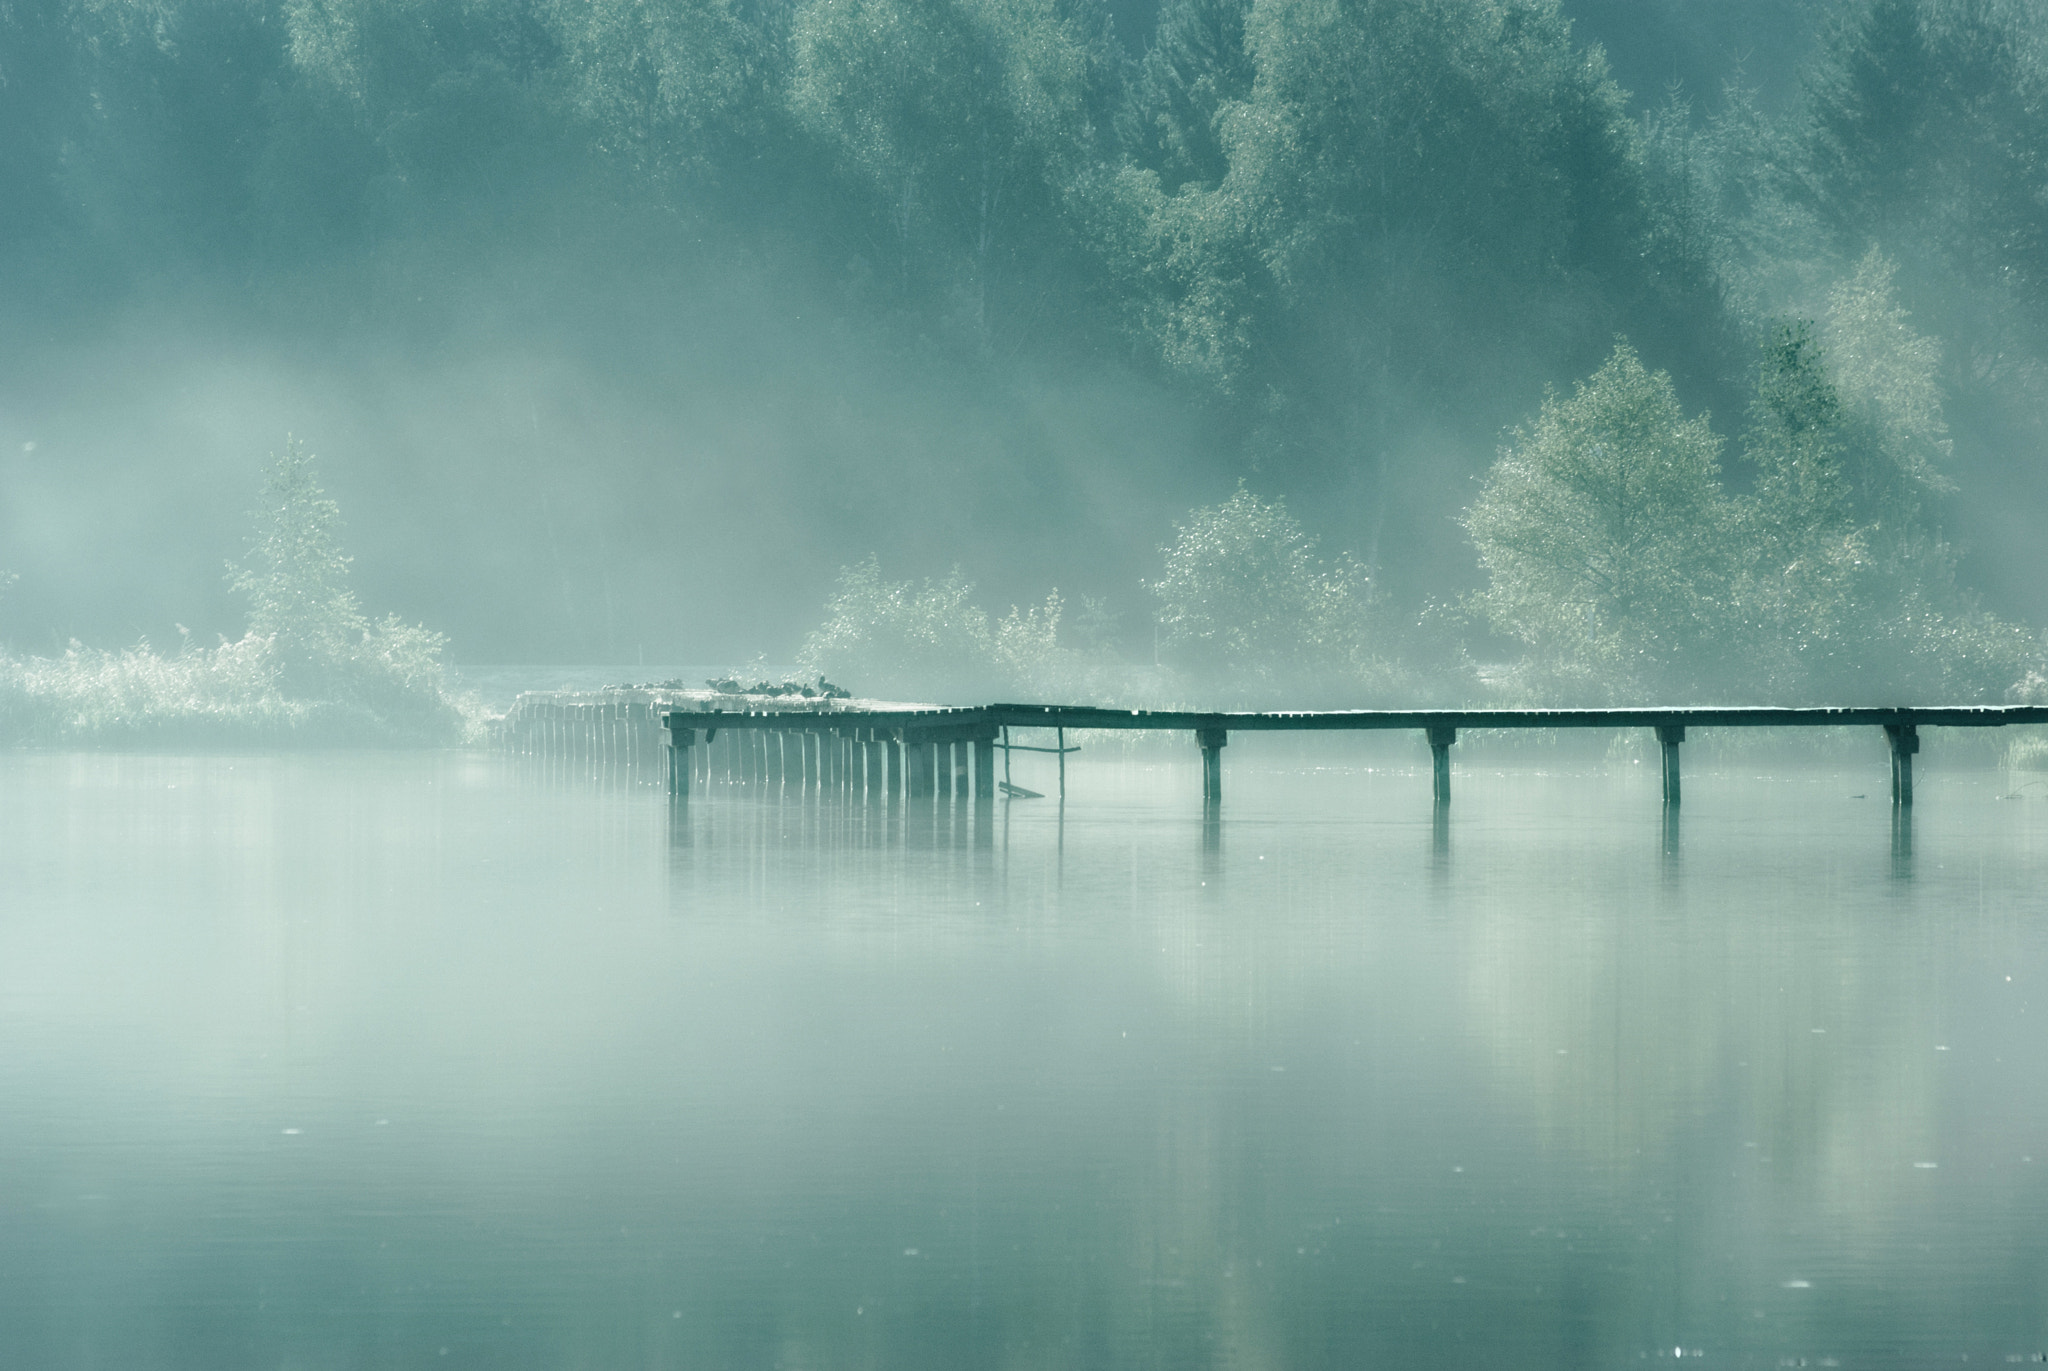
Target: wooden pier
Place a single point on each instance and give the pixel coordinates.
(882, 753)
(874, 750)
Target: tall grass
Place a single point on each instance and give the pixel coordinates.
(223, 696)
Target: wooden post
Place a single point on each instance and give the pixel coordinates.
(918, 762)
(873, 748)
(892, 767)
(1905, 740)
(1212, 741)
(985, 767)
(1060, 742)
(1440, 740)
(960, 762)
(1670, 736)
(635, 725)
(680, 740)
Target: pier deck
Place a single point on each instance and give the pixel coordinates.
(921, 752)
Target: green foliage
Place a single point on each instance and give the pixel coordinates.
(667, 87)
(930, 641)
(1323, 202)
(1614, 553)
(1605, 537)
(960, 121)
(1889, 379)
(295, 574)
(1247, 605)
(1196, 67)
(1918, 129)
(311, 669)
(1358, 234)
(894, 639)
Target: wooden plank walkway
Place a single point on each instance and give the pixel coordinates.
(920, 752)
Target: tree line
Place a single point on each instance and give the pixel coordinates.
(1358, 235)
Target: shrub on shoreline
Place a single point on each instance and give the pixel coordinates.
(312, 670)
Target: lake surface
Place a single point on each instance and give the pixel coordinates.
(419, 1061)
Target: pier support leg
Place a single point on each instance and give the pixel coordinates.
(960, 765)
(1440, 740)
(892, 768)
(917, 757)
(873, 748)
(1212, 741)
(679, 767)
(1905, 740)
(1670, 736)
(985, 768)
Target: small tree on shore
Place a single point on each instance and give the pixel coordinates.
(322, 645)
(1604, 534)
(1246, 601)
(295, 573)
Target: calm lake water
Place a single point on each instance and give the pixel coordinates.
(418, 1061)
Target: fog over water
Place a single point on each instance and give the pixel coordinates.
(431, 1061)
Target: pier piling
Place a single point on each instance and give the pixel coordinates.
(960, 765)
(1211, 741)
(985, 766)
(918, 761)
(1440, 740)
(679, 741)
(1905, 741)
(1669, 736)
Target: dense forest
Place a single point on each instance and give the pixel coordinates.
(624, 325)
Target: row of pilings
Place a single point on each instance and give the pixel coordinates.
(616, 737)
(857, 761)
(607, 736)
